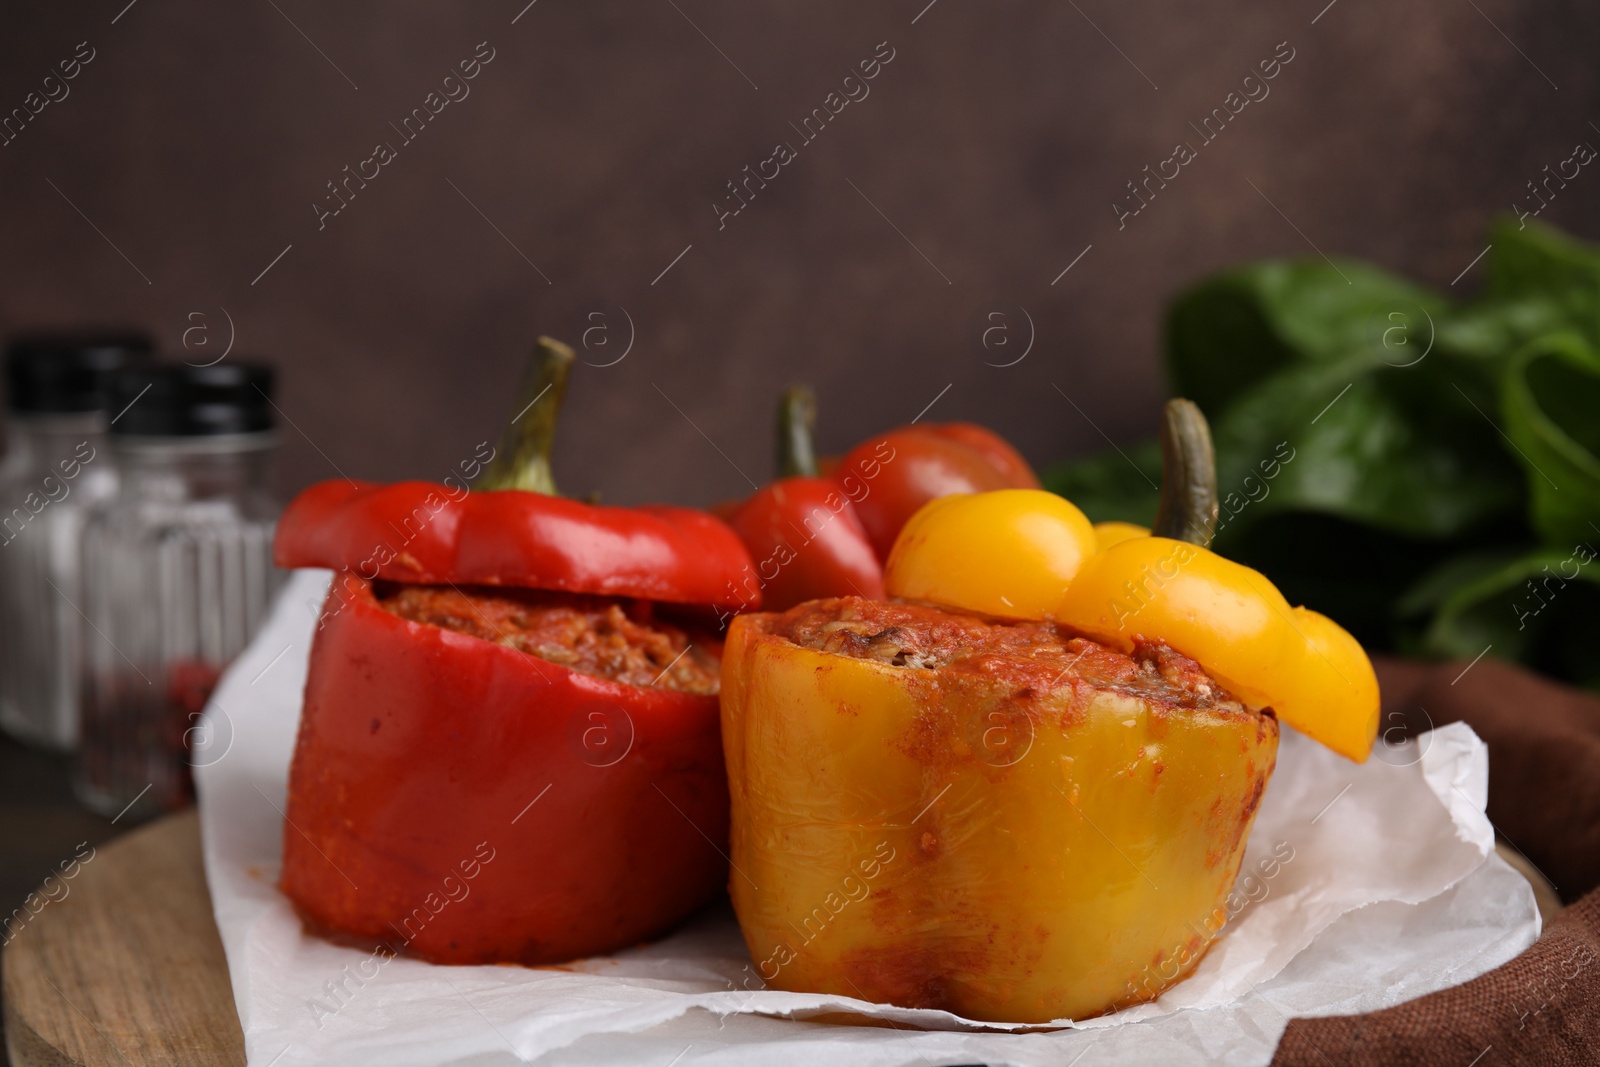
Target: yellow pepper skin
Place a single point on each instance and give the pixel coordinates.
(1234, 622)
(1333, 695)
(1223, 615)
(1032, 543)
(881, 851)
(1111, 533)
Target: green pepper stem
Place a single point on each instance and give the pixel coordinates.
(523, 458)
(1188, 508)
(797, 414)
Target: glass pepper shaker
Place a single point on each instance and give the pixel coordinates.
(178, 577)
(55, 469)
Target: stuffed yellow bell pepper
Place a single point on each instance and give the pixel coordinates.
(961, 804)
(936, 810)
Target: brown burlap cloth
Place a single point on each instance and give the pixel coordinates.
(1544, 798)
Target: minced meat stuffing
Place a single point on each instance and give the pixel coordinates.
(1026, 653)
(619, 640)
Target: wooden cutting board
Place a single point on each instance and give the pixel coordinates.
(127, 969)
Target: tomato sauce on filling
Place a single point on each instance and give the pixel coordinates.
(1037, 654)
(616, 639)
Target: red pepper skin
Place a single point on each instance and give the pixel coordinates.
(431, 534)
(996, 449)
(807, 543)
(420, 751)
(892, 475)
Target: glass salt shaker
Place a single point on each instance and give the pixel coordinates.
(55, 469)
(178, 577)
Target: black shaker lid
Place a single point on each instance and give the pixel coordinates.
(59, 373)
(186, 401)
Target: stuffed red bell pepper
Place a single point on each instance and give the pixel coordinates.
(509, 749)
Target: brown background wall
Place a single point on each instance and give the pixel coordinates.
(600, 135)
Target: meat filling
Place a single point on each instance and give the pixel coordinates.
(620, 640)
(1028, 653)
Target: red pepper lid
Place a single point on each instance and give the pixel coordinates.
(432, 534)
(514, 530)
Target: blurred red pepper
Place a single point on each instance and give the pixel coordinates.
(423, 751)
(925, 462)
(812, 537)
(801, 531)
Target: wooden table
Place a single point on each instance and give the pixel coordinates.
(127, 969)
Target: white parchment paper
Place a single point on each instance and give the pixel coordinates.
(1363, 886)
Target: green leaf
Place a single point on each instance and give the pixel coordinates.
(1400, 449)
(1112, 486)
(1551, 404)
(1229, 332)
(1535, 263)
(1490, 332)
(1538, 606)
(1336, 364)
